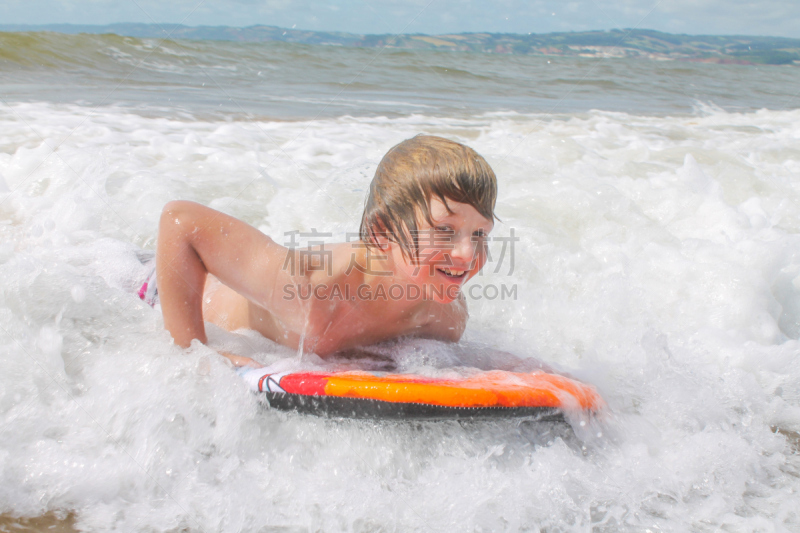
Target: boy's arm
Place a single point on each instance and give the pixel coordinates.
(194, 240)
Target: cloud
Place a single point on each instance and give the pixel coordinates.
(776, 17)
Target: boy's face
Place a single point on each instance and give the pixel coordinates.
(451, 251)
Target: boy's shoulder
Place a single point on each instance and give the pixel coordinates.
(319, 264)
(337, 262)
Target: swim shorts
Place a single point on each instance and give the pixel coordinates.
(148, 292)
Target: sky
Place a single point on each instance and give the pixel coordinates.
(706, 17)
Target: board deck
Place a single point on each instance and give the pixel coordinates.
(381, 395)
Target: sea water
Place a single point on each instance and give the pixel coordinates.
(657, 211)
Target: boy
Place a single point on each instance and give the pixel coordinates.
(429, 210)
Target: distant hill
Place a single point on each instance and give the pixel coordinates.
(648, 44)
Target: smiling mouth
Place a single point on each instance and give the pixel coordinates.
(453, 274)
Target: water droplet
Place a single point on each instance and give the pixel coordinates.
(78, 293)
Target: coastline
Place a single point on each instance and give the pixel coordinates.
(618, 43)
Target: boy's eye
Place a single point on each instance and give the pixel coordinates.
(480, 234)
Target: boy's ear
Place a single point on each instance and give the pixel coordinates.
(381, 237)
(382, 240)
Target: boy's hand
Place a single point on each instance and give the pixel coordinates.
(240, 360)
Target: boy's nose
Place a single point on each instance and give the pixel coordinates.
(462, 252)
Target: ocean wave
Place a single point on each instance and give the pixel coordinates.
(227, 78)
(658, 260)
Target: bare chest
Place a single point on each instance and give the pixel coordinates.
(322, 327)
(355, 324)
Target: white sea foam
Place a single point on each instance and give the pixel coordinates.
(658, 258)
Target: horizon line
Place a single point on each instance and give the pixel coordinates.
(294, 29)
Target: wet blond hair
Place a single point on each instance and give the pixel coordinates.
(414, 172)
